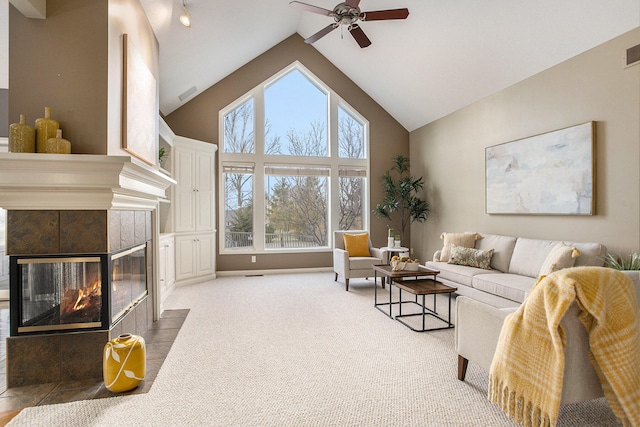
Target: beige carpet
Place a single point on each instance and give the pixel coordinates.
(297, 350)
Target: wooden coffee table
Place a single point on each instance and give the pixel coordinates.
(423, 287)
(387, 274)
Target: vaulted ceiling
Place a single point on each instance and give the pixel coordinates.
(446, 55)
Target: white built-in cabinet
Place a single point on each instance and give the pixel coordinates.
(187, 221)
(193, 200)
(193, 210)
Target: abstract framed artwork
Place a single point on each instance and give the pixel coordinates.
(548, 174)
(139, 112)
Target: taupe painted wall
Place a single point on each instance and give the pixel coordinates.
(61, 62)
(198, 119)
(593, 86)
(72, 62)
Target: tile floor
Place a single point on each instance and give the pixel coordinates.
(158, 339)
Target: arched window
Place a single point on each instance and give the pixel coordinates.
(294, 166)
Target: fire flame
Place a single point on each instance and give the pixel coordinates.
(84, 296)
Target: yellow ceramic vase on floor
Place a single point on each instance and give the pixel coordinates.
(124, 363)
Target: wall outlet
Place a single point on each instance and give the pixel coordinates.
(411, 251)
(253, 258)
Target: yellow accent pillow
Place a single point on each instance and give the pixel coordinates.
(357, 244)
(561, 256)
(466, 240)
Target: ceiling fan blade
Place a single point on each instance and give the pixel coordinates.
(310, 8)
(360, 36)
(380, 15)
(352, 3)
(323, 32)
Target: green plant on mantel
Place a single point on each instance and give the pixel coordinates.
(162, 153)
(401, 196)
(621, 263)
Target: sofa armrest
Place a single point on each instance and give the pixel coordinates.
(634, 275)
(436, 255)
(478, 327)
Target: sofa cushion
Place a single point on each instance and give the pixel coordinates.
(357, 244)
(528, 256)
(363, 263)
(561, 256)
(471, 257)
(591, 254)
(456, 273)
(510, 286)
(502, 249)
(459, 239)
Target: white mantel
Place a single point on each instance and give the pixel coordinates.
(78, 181)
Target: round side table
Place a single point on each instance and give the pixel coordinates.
(394, 250)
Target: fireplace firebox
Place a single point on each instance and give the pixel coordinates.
(76, 292)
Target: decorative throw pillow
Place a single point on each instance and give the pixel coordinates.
(471, 257)
(357, 244)
(561, 256)
(467, 240)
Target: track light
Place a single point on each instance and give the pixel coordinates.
(185, 18)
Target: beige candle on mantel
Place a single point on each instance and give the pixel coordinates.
(58, 145)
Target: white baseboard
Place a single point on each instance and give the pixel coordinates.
(195, 280)
(274, 271)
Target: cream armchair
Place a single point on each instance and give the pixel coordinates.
(353, 267)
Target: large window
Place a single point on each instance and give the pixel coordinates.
(294, 166)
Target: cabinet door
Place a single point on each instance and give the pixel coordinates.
(184, 197)
(171, 263)
(204, 177)
(186, 261)
(206, 254)
(162, 268)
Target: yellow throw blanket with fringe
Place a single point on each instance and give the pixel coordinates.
(527, 369)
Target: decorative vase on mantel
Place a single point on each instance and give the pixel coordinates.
(58, 145)
(46, 128)
(22, 137)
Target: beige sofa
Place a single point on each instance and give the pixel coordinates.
(515, 265)
(478, 327)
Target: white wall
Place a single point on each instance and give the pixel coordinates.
(127, 16)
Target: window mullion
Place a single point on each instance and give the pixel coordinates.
(334, 207)
(259, 213)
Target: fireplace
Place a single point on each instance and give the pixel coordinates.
(81, 237)
(72, 293)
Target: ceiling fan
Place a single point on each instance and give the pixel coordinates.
(348, 14)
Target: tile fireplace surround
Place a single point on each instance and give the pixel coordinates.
(73, 205)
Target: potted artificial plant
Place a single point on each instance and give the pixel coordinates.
(401, 205)
(621, 263)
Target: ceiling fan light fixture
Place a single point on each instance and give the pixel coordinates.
(185, 18)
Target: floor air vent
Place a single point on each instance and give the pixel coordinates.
(632, 56)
